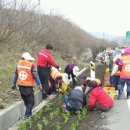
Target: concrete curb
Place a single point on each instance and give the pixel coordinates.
(9, 116)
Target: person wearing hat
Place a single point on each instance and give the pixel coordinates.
(75, 100)
(98, 98)
(85, 81)
(25, 77)
(72, 70)
(44, 63)
(55, 79)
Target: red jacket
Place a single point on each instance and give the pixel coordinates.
(99, 95)
(45, 59)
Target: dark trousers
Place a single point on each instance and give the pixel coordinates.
(97, 106)
(27, 94)
(44, 74)
(53, 84)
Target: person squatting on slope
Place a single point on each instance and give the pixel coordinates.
(25, 76)
(125, 73)
(75, 100)
(56, 78)
(98, 98)
(85, 81)
(72, 70)
(44, 63)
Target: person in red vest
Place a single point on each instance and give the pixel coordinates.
(125, 73)
(98, 98)
(44, 63)
(25, 77)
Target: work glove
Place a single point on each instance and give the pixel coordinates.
(40, 87)
(75, 79)
(14, 87)
(58, 67)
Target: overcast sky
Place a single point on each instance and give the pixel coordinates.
(108, 16)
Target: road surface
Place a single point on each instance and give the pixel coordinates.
(118, 118)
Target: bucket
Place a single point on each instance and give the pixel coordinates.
(110, 91)
(64, 87)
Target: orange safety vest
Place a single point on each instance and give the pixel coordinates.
(125, 71)
(25, 76)
(55, 74)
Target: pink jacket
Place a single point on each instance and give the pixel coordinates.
(99, 95)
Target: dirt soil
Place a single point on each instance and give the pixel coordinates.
(8, 97)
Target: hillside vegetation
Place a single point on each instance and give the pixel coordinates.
(22, 29)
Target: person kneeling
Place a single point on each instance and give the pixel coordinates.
(99, 99)
(75, 100)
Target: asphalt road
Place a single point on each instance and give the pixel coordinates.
(118, 118)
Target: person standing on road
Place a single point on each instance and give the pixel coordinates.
(116, 75)
(25, 77)
(72, 70)
(125, 73)
(44, 63)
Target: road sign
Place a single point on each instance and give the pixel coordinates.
(92, 70)
(128, 34)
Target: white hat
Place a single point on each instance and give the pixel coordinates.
(78, 88)
(27, 56)
(76, 70)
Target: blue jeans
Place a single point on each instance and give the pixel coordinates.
(116, 81)
(112, 78)
(121, 85)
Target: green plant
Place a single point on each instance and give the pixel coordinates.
(29, 123)
(35, 117)
(40, 113)
(84, 111)
(59, 95)
(45, 122)
(58, 127)
(51, 115)
(66, 116)
(79, 116)
(39, 126)
(47, 108)
(57, 111)
(73, 126)
(23, 126)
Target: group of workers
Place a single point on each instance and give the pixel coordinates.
(47, 71)
(120, 72)
(98, 99)
(45, 76)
